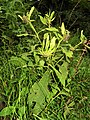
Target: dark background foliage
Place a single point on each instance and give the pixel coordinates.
(75, 13)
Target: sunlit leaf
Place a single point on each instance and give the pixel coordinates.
(53, 29)
(52, 14)
(30, 13)
(82, 37)
(52, 44)
(20, 17)
(26, 34)
(71, 104)
(63, 31)
(53, 19)
(30, 63)
(43, 20)
(64, 93)
(68, 53)
(41, 62)
(47, 43)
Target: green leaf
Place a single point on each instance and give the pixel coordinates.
(42, 62)
(36, 57)
(52, 44)
(39, 117)
(82, 37)
(47, 43)
(21, 110)
(26, 34)
(64, 93)
(20, 17)
(46, 35)
(43, 20)
(7, 111)
(59, 75)
(24, 91)
(52, 14)
(71, 104)
(24, 56)
(39, 93)
(30, 63)
(64, 71)
(52, 29)
(63, 31)
(68, 53)
(63, 68)
(30, 13)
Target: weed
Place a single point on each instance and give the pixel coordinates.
(35, 75)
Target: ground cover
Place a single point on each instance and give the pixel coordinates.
(44, 69)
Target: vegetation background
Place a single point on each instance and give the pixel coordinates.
(44, 60)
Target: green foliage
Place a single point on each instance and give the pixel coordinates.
(39, 93)
(7, 111)
(34, 73)
(62, 73)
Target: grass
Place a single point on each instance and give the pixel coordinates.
(80, 91)
(79, 87)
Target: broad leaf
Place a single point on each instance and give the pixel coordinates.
(68, 53)
(21, 110)
(63, 69)
(7, 111)
(39, 94)
(59, 75)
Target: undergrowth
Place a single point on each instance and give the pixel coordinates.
(44, 70)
